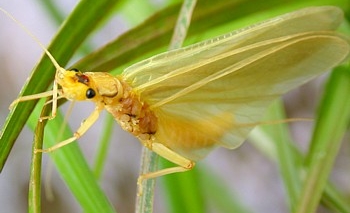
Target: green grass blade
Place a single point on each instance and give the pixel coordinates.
(290, 160)
(287, 157)
(34, 195)
(331, 124)
(149, 163)
(334, 200)
(182, 24)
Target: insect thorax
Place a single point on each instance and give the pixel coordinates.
(134, 115)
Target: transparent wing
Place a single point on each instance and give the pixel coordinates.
(214, 96)
(176, 62)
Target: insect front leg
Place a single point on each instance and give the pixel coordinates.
(81, 131)
(184, 163)
(55, 93)
(55, 97)
(30, 97)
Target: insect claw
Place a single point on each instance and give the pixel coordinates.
(12, 105)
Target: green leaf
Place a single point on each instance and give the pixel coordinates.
(331, 124)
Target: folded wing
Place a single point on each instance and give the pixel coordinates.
(214, 92)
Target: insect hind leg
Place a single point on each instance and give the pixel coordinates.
(184, 164)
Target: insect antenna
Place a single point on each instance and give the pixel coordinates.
(59, 69)
(53, 60)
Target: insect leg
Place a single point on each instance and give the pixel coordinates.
(81, 131)
(172, 156)
(184, 163)
(55, 93)
(30, 97)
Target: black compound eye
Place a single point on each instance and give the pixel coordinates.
(90, 93)
(74, 69)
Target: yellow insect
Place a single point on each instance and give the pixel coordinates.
(183, 103)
